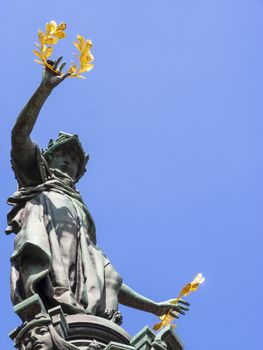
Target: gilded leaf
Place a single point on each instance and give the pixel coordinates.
(52, 26)
(86, 68)
(90, 57)
(72, 69)
(79, 76)
(157, 326)
(38, 54)
(59, 34)
(166, 320)
(77, 45)
(41, 36)
(43, 48)
(49, 51)
(83, 60)
(198, 279)
(87, 55)
(62, 26)
(81, 40)
(89, 43)
(48, 29)
(186, 290)
(51, 40)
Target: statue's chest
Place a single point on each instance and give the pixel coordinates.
(64, 212)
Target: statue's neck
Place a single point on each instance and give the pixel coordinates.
(63, 177)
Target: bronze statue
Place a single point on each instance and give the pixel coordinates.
(55, 251)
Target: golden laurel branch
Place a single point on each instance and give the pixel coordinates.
(54, 32)
(187, 289)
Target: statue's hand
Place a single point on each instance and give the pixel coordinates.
(49, 78)
(163, 307)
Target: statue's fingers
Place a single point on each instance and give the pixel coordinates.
(173, 314)
(57, 62)
(64, 76)
(62, 66)
(184, 308)
(51, 62)
(181, 301)
(178, 309)
(181, 312)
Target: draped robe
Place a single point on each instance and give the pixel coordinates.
(55, 252)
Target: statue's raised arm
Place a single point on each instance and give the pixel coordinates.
(23, 149)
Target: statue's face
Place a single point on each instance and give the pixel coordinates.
(38, 338)
(66, 159)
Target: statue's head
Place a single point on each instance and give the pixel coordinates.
(40, 334)
(67, 155)
(38, 338)
(35, 335)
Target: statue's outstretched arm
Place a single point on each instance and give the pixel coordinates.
(129, 297)
(21, 141)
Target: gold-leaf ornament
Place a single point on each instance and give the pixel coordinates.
(55, 32)
(167, 319)
(85, 57)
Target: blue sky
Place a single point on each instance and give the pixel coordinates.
(172, 119)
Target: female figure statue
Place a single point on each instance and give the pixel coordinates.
(55, 251)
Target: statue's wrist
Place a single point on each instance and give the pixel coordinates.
(44, 88)
(154, 308)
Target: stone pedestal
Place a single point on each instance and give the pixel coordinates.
(84, 332)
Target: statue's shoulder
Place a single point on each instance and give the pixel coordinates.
(30, 172)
